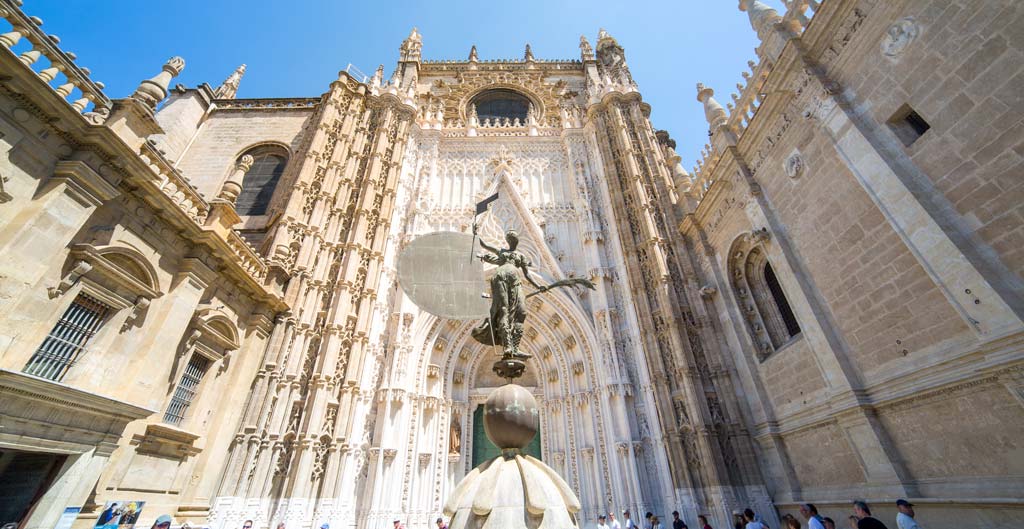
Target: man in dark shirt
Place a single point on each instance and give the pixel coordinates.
(864, 519)
(677, 522)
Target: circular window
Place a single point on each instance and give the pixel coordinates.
(501, 103)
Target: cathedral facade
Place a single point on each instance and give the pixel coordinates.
(199, 305)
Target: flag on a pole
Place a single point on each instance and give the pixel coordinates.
(482, 205)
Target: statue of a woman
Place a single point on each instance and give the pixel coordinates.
(504, 326)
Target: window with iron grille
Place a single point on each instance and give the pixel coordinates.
(186, 390)
(67, 342)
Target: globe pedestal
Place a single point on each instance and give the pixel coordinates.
(512, 491)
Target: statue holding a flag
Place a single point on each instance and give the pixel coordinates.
(504, 325)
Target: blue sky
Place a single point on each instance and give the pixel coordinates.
(296, 48)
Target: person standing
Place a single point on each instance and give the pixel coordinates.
(905, 518)
(829, 523)
(441, 524)
(702, 521)
(792, 523)
(864, 519)
(752, 521)
(677, 522)
(627, 522)
(810, 513)
(602, 522)
(612, 522)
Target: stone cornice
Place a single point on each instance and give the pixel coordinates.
(60, 395)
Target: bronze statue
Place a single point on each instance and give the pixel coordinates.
(504, 326)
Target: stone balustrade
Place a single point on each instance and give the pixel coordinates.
(51, 64)
(250, 260)
(749, 96)
(799, 14)
(268, 103)
(176, 186)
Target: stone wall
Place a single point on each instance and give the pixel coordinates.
(898, 383)
(227, 134)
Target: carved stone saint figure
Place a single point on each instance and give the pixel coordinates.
(455, 435)
(504, 326)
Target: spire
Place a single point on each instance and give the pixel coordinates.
(229, 87)
(528, 56)
(378, 77)
(713, 111)
(472, 54)
(761, 16)
(586, 52)
(152, 91)
(604, 39)
(412, 46)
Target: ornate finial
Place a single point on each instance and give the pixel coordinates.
(411, 46)
(153, 91)
(586, 52)
(233, 186)
(761, 16)
(529, 53)
(472, 54)
(229, 87)
(378, 77)
(713, 111)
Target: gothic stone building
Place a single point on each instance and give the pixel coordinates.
(199, 307)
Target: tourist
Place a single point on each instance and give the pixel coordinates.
(905, 518)
(752, 521)
(829, 523)
(792, 523)
(648, 518)
(398, 524)
(702, 521)
(162, 522)
(655, 522)
(810, 513)
(677, 522)
(601, 522)
(280, 525)
(628, 523)
(613, 523)
(441, 524)
(853, 522)
(864, 519)
(247, 524)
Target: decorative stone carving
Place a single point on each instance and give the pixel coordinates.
(708, 292)
(152, 91)
(760, 236)
(794, 164)
(899, 36)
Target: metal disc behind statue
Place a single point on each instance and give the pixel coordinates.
(439, 274)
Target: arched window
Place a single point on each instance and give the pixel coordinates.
(762, 301)
(501, 103)
(260, 180)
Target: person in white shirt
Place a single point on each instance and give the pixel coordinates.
(905, 518)
(601, 522)
(613, 523)
(810, 513)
